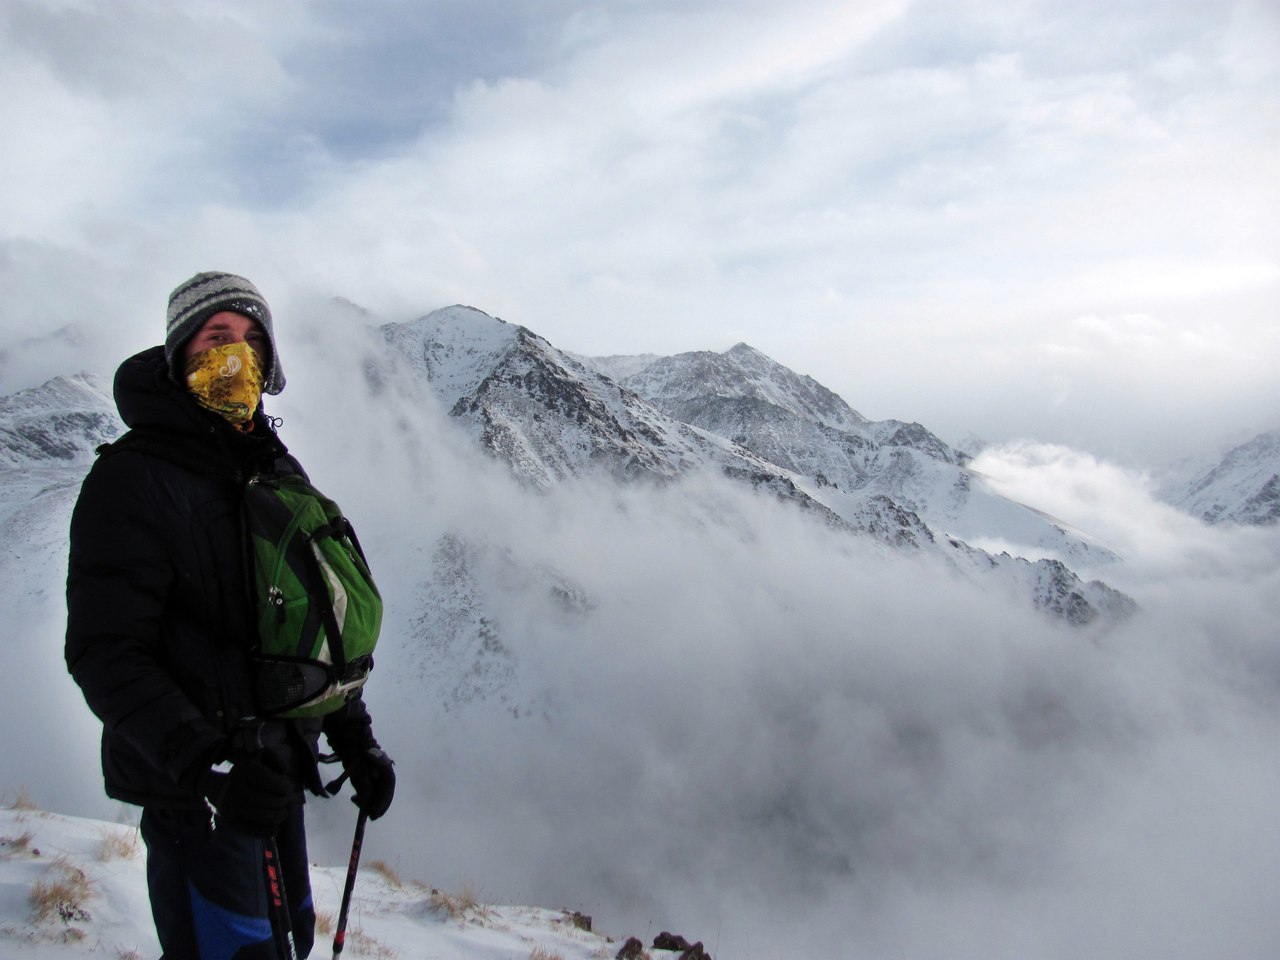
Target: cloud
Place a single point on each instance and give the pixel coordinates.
(901, 200)
(693, 708)
(996, 218)
(1162, 546)
(751, 729)
(748, 728)
(134, 108)
(718, 55)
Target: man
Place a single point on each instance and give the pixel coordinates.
(161, 621)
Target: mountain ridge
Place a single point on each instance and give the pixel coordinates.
(552, 416)
(1242, 486)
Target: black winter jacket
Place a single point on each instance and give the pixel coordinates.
(160, 618)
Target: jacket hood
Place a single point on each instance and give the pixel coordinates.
(148, 398)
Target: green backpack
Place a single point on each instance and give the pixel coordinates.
(319, 611)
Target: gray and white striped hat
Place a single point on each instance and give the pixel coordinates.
(194, 302)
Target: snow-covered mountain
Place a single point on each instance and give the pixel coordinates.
(627, 681)
(552, 416)
(839, 457)
(59, 422)
(1243, 486)
(47, 438)
(547, 416)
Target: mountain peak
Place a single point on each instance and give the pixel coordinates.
(456, 347)
(64, 420)
(682, 384)
(462, 321)
(1242, 487)
(550, 417)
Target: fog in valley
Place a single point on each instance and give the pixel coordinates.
(694, 708)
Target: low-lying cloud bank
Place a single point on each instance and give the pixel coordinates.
(700, 710)
(691, 708)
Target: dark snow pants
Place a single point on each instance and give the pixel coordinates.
(209, 893)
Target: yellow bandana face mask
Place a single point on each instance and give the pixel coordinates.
(226, 380)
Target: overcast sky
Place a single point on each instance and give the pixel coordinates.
(1017, 219)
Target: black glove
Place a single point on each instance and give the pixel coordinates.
(251, 797)
(373, 775)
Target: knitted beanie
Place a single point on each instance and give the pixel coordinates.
(205, 294)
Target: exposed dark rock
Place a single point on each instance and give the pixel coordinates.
(670, 941)
(674, 942)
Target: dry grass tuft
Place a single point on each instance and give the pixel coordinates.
(458, 905)
(541, 953)
(579, 920)
(388, 872)
(123, 954)
(358, 942)
(117, 844)
(60, 893)
(18, 844)
(22, 801)
(366, 946)
(442, 902)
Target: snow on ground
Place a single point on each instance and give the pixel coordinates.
(71, 887)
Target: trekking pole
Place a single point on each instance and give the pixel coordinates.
(283, 925)
(340, 938)
(249, 738)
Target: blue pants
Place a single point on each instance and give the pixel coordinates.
(209, 890)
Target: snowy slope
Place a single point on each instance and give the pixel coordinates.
(845, 459)
(1242, 487)
(47, 438)
(60, 422)
(741, 372)
(549, 417)
(521, 401)
(552, 417)
(71, 887)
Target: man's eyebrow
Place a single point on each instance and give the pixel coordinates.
(218, 325)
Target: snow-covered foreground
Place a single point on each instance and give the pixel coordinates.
(73, 887)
